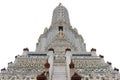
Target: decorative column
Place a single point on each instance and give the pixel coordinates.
(50, 60)
(25, 51)
(93, 51)
(68, 61)
(110, 65)
(102, 58)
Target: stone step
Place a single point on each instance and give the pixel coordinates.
(59, 74)
(59, 78)
(59, 61)
(59, 64)
(59, 71)
(64, 76)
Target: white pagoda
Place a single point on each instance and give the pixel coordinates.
(60, 55)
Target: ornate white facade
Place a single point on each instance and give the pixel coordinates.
(60, 55)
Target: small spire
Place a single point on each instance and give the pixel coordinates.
(60, 4)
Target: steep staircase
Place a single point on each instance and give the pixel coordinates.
(59, 70)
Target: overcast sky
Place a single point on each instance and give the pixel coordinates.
(23, 21)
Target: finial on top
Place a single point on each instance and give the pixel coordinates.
(60, 4)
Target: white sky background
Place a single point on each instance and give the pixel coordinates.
(22, 22)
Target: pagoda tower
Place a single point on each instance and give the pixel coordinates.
(60, 55)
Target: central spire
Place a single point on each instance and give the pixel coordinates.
(60, 14)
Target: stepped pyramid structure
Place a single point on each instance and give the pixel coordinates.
(60, 55)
